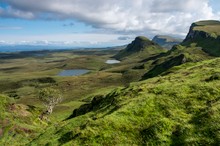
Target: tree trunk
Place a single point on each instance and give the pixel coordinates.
(50, 109)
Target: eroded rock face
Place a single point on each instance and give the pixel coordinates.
(193, 34)
(206, 35)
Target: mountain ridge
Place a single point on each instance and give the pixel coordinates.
(166, 41)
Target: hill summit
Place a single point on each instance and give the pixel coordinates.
(140, 47)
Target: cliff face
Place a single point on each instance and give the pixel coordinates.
(195, 33)
(205, 34)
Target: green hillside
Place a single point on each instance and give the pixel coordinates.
(151, 66)
(176, 56)
(209, 26)
(131, 66)
(180, 108)
(143, 59)
(19, 123)
(140, 48)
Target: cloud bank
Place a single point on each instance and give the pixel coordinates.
(79, 40)
(118, 16)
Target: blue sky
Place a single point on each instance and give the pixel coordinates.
(215, 4)
(98, 22)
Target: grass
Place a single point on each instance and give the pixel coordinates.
(211, 27)
(30, 73)
(180, 108)
(22, 76)
(139, 49)
(142, 59)
(19, 123)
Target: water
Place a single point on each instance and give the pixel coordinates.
(73, 72)
(112, 61)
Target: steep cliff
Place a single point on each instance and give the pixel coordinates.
(205, 34)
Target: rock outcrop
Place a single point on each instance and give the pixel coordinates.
(205, 34)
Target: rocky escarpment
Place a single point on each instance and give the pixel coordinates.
(195, 34)
(205, 34)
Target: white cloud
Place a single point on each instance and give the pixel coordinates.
(121, 16)
(83, 39)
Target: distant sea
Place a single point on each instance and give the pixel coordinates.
(20, 48)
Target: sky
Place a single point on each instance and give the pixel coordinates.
(97, 23)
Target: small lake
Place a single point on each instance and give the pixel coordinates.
(73, 72)
(113, 61)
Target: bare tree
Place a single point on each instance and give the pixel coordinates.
(50, 98)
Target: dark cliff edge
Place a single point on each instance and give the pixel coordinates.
(205, 34)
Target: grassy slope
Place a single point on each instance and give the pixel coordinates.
(154, 65)
(18, 123)
(131, 58)
(181, 108)
(210, 26)
(139, 49)
(174, 57)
